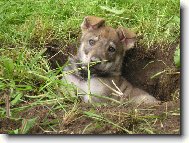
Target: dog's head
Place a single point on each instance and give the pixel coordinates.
(103, 44)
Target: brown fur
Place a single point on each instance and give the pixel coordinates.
(104, 46)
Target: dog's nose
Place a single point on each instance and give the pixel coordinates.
(95, 59)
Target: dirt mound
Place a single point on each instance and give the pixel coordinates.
(160, 119)
(153, 70)
(7, 125)
(112, 119)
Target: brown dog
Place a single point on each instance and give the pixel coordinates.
(97, 66)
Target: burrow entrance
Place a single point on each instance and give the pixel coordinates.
(151, 69)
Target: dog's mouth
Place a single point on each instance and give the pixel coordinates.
(93, 70)
(86, 72)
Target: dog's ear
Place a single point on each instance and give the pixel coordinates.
(92, 23)
(127, 37)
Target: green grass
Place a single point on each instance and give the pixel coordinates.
(156, 20)
(27, 25)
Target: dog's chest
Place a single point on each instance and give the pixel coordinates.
(94, 85)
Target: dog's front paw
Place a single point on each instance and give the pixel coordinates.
(145, 99)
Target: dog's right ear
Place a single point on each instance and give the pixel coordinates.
(92, 23)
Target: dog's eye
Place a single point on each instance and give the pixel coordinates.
(111, 49)
(91, 42)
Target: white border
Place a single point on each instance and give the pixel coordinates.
(141, 139)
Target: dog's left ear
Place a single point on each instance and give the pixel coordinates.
(92, 23)
(127, 37)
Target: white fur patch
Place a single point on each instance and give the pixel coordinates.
(83, 57)
(112, 44)
(117, 60)
(144, 99)
(108, 65)
(96, 87)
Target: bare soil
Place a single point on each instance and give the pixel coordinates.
(151, 69)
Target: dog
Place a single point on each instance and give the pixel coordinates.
(96, 69)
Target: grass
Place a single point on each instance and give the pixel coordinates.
(26, 80)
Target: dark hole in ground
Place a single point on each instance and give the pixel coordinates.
(58, 54)
(153, 70)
